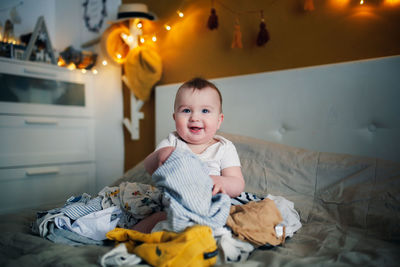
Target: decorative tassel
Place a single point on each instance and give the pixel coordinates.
(213, 20)
(309, 5)
(263, 35)
(237, 36)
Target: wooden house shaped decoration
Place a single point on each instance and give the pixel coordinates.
(40, 35)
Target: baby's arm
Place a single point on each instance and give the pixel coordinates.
(230, 182)
(157, 158)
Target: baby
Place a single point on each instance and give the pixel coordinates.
(198, 116)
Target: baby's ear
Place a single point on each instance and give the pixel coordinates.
(221, 119)
(173, 115)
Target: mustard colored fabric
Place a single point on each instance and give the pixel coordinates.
(193, 247)
(113, 44)
(255, 222)
(143, 69)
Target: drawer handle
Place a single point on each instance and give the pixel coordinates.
(41, 171)
(41, 121)
(27, 71)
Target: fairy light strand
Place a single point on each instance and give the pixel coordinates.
(167, 26)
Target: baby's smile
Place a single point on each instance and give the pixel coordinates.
(195, 129)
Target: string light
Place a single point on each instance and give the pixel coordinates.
(180, 14)
(391, 2)
(60, 62)
(124, 36)
(167, 26)
(71, 66)
(83, 71)
(94, 71)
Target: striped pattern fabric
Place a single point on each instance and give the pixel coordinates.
(245, 198)
(188, 187)
(82, 207)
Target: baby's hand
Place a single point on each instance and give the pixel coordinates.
(218, 186)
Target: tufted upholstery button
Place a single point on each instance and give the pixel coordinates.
(372, 128)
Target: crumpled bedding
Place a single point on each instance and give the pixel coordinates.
(349, 208)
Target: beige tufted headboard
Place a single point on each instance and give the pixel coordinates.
(351, 107)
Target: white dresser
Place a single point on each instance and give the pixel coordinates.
(46, 134)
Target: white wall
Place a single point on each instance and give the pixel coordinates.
(109, 131)
(65, 24)
(351, 107)
(29, 11)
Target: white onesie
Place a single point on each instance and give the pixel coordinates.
(218, 156)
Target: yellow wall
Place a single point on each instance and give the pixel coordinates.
(336, 31)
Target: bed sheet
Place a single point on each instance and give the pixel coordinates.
(349, 208)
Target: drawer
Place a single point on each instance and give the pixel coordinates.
(33, 140)
(29, 88)
(45, 185)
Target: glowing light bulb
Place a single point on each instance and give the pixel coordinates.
(361, 2)
(154, 38)
(83, 70)
(392, 2)
(71, 66)
(119, 56)
(167, 27)
(142, 40)
(104, 62)
(94, 71)
(139, 25)
(180, 14)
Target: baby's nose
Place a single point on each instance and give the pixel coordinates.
(194, 117)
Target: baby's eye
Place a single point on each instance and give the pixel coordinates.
(204, 110)
(186, 110)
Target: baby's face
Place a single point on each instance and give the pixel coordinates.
(197, 115)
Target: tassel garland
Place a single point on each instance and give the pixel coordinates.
(263, 35)
(237, 36)
(309, 5)
(213, 20)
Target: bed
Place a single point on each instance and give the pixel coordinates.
(325, 138)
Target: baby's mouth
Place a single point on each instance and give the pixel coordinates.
(195, 129)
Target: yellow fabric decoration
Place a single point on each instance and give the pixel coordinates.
(113, 44)
(143, 69)
(193, 247)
